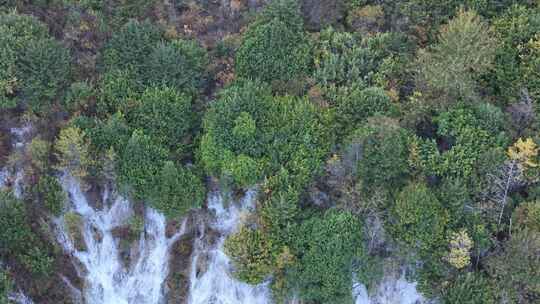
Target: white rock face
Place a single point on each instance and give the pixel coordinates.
(107, 279)
(216, 285)
(392, 290)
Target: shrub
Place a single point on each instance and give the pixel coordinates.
(250, 252)
(469, 288)
(72, 150)
(275, 47)
(51, 194)
(176, 191)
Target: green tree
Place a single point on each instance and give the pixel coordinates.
(464, 51)
(419, 220)
(275, 47)
(17, 240)
(355, 107)
(51, 194)
(33, 67)
(176, 191)
(179, 64)
(129, 48)
(139, 165)
(469, 288)
(516, 268)
(381, 152)
(327, 247)
(6, 286)
(166, 115)
(44, 68)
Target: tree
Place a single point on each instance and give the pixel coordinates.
(355, 107)
(251, 254)
(327, 246)
(465, 49)
(516, 268)
(380, 151)
(129, 48)
(179, 64)
(17, 240)
(460, 247)
(512, 174)
(139, 165)
(469, 288)
(51, 194)
(6, 286)
(252, 134)
(176, 191)
(44, 68)
(275, 47)
(33, 66)
(166, 115)
(419, 220)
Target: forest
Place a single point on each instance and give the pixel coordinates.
(378, 136)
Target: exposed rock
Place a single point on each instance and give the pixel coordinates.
(177, 281)
(319, 14)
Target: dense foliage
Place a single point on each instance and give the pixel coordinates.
(378, 135)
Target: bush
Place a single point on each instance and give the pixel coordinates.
(275, 47)
(177, 190)
(469, 288)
